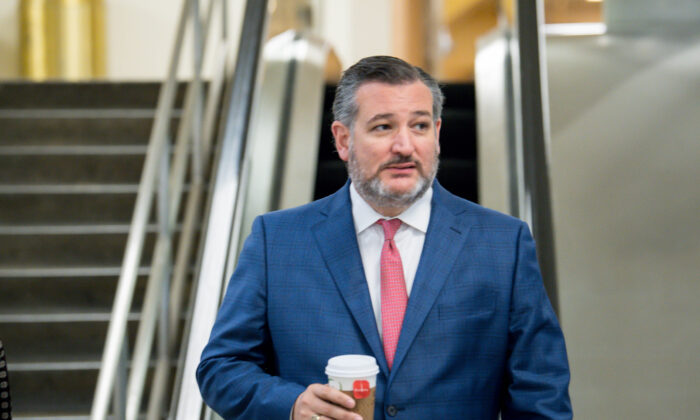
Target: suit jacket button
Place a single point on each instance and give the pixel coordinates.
(391, 410)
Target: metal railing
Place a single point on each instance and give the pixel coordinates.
(223, 224)
(513, 125)
(297, 100)
(166, 174)
(283, 130)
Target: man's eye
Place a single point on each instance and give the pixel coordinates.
(422, 126)
(381, 127)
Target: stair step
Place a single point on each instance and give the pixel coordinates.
(53, 317)
(69, 189)
(116, 167)
(73, 188)
(54, 341)
(57, 394)
(71, 169)
(82, 113)
(53, 366)
(62, 341)
(61, 150)
(64, 366)
(28, 95)
(56, 366)
(64, 205)
(61, 394)
(80, 295)
(60, 294)
(66, 208)
(68, 250)
(52, 392)
(82, 229)
(77, 131)
(58, 271)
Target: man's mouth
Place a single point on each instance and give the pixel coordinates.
(408, 165)
(400, 169)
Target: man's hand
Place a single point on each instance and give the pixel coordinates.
(324, 401)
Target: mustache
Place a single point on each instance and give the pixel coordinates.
(398, 160)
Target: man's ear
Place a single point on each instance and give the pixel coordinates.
(438, 124)
(341, 133)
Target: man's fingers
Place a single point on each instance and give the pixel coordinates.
(332, 411)
(332, 395)
(326, 402)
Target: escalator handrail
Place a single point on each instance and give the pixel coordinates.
(210, 278)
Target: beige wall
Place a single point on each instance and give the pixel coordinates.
(139, 37)
(356, 28)
(9, 42)
(625, 153)
(139, 34)
(624, 172)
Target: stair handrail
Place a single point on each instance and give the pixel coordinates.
(164, 293)
(156, 169)
(220, 231)
(170, 316)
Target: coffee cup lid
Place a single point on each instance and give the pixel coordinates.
(352, 366)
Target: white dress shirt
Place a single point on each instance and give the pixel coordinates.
(409, 240)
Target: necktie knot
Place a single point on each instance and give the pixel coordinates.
(390, 227)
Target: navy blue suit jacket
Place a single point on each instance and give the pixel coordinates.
(479, 335)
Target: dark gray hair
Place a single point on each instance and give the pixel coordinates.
(384, 69)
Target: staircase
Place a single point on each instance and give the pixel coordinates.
(458, 158)
(71, 157)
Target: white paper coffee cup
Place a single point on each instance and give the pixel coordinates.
(355, 375)
(344, 370)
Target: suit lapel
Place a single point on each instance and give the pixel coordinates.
(337, 242)
(443, 242)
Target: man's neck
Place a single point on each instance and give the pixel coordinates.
(417, 215)
(387, 211)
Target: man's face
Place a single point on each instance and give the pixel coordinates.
(392, 150)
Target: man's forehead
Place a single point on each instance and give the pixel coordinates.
(379, 84)
(375, 98)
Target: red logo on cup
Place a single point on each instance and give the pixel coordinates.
(360, 389)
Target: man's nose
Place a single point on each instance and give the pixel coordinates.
(402, 143)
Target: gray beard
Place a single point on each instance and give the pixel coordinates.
(370, 187)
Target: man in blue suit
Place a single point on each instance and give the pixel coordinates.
(447, 297)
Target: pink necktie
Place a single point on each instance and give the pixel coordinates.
(393, 289)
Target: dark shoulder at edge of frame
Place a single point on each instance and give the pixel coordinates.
(5, 406)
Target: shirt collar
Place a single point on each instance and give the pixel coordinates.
(417, 216)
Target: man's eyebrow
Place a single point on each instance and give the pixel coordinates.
(388, 115)
(380, 117)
